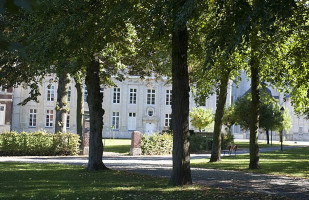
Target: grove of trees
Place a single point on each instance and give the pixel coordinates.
(202, 44)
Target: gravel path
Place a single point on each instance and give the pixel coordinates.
(293, 188)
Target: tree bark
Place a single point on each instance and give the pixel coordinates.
(181, 173)
(61, 105)
(96, 113)
(255, 106)
(216, 146)
(79, 109)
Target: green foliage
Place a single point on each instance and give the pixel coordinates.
(201, 118)
(229, 118)
(38, 143)
(199, 143)
(270, 115)
(226, 140)
(157, 144)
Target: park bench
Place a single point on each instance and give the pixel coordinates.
(230, 149)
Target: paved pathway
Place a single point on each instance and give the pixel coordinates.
(161, 166)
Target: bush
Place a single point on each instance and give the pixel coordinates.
(157, 144)
(202, 143)
(38, 143)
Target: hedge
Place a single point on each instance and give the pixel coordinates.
(38, 143)
(157, 144)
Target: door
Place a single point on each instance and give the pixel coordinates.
(150, 127)
(132, 122)
(2, 114)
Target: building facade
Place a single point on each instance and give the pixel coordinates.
(134, 104)
(6, 99)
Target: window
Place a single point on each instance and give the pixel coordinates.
(151, 96)
(102, 90)
(168, 118)
(116, 98)
(150, 112)
(50, 93)
(168, 97)
(133, 95)
(49, 118)
(115, 121)
(68, 120)
(69, 93)
(32, 118)
(85, 93)
(132, 121)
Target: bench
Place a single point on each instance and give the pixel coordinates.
(230, 149)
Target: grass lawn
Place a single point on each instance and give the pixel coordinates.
(262, 144)
(55, 181)
(117, 145)
(289, 162)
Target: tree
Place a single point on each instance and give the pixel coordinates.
(201, 118)
(85, 35)
(229, 118)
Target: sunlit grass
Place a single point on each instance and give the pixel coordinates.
(117, 145)
(289, 162)
(55, 181)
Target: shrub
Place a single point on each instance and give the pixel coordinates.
(157, 144)
(38, 143)
(226, 140)
(200, 143)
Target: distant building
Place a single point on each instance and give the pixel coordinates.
(6, 99)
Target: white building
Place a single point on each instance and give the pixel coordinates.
(134, 104)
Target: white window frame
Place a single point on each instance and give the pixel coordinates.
(85, 93)
(115, 120)
(133, 96)
(67, 122)
(132, 115)
(151, 96)
(167, 120)
(32, 117)
(116, 95)
(69, 94)
(50, 92)
(168, 97)
(49, 118)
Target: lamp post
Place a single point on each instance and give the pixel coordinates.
(281, 138)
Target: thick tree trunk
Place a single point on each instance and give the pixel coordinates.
(96, 117)
(61, 105)
(79, 109)
(267, 135)
(181, 173)
(255, 106)
(216, 146)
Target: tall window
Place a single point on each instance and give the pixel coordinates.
(151, 96)
(49, 118)
(115, 121)
(168, 118)
(168, 98)
(69, 93)
(133, 93)
(116, 98)
(50, 93)
(85, 93)
(68, 120)
(32, 118)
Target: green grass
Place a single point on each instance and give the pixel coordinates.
(289, 162)
(117, 145)
(262, 144)
(55, 181)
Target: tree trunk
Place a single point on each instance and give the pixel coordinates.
(181, 173)
(96, 113)
(216, 146)
(255, 106)
(267, 135)
(79, 109)
(61, 105)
